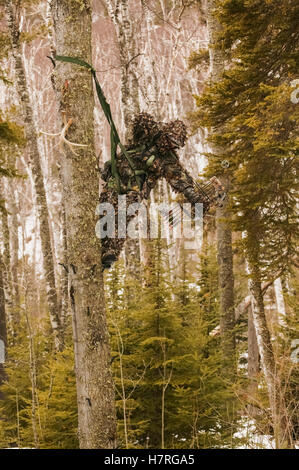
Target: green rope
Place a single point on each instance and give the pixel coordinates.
(114, 137)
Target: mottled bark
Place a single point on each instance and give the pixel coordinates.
(10, 258)
(127, 44)
(149, 78)
(64, 295)
(14, 241)
(253, 356)
(149, 92)
(280, 303)
(226, 284)
(280, 421)
(244, 305)
(124, 24)
(3, 337)
(32, 373)
(95, 392)
(145, 249)
(6, 263)
(35, 163)
(224, 232)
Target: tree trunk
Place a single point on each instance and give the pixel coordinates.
(226, 285)
(253, 359)
(6, 274)
(126, 38)
(64, 294)
(14, 239)
(281, 423)
(34, 159)
(95, 392)
(124, 24)
(3, 337)
(32, 371)
(224, 232)
(10, 257)
(280, 303)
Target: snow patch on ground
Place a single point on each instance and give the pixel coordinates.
(254, 440)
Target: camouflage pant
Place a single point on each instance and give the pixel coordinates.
(112, 246)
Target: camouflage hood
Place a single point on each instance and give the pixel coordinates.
(167, 136)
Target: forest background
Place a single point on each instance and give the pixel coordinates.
(183, 343)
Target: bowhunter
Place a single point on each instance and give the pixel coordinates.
(135, 169)
(152, 152)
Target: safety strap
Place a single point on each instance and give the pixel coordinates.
(114, 137)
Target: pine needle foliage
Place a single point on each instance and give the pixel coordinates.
(166, 366)
(39, 404)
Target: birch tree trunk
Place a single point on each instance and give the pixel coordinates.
(149, 100)
(14, 240)
(64, 274)
(124, 23)
(6, 275)
(10, 257)
(95, 392)
(224, 232)
(3, 337)
(280, 303)
(149, 77)
(253, 358)
(127, 45)
(281, 423)
(32, 372)
(34, 159)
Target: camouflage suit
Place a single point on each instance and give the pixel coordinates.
(153, 153)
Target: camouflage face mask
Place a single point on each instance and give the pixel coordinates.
(144, 128)
(174, 136)
(170, 136)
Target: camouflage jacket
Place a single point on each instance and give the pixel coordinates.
(150, 165)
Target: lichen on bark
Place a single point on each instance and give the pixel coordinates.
(73, 86)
